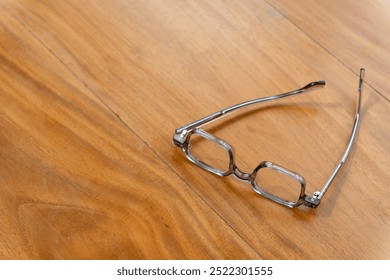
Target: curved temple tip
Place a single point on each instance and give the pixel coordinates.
(314, 85)
(362, 71)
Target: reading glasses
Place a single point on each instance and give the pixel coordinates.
(290, 187)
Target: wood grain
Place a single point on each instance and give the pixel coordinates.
(74, 183)
(91, 95)
(354, 33)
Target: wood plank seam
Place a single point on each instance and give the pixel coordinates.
(354, 71)
(116, 115)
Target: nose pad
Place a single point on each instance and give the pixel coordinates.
(241, 175)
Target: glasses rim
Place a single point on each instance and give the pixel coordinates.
(226, 146)
(247, 177)
(182, 135)
(273, 166)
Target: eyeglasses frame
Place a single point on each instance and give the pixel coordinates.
(182, 136)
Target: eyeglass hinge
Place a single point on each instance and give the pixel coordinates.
(179, 139)
(312, 202)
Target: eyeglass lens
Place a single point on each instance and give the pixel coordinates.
(209, 152)
(278, 184)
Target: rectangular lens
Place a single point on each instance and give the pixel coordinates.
(279, 182)
(209, 152)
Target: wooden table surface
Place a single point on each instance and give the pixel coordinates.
(92, 91)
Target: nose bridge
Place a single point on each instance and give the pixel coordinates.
(241, 174)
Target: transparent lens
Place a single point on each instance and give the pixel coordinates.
(279, 184)
(209, 152)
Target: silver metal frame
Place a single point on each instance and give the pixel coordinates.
(182, 136)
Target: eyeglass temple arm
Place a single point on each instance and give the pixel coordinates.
(180, 133)
(319, 195)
